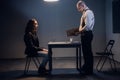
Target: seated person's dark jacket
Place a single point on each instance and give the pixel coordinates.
(32, 44)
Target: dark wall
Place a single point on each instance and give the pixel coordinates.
(116, 16)
(12, 23)
(54, 19)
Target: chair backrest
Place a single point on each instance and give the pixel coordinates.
(109, 46)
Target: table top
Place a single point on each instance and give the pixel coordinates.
(63, 42)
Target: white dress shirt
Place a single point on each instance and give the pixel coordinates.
(88, 18)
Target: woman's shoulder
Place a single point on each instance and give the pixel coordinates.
(28, 34)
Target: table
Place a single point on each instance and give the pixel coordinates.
(74, 44)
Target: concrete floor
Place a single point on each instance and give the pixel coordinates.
(63, 69)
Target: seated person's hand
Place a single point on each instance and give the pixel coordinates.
(42, 49)
(45, 50)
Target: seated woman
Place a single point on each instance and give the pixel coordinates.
(32, 44)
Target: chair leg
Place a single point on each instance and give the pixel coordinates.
(113, 67)
(114, 63)
(28, 61)
(27, 65)
(101, 57)
(110, 63)
(35, 62)
(105, 58)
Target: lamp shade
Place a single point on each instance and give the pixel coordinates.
(51, 0)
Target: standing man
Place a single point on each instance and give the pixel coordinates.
(85, 28)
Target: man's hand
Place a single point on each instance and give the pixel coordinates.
(77, 33)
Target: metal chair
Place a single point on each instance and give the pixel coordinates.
(106, 54)
(28, 61)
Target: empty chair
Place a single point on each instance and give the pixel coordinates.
(106, 54)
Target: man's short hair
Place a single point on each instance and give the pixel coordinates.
(80, 2)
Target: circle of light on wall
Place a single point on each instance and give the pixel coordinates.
(51, 0)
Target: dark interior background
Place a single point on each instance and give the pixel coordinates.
(54, 19)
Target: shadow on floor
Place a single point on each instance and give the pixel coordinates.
(59, 74)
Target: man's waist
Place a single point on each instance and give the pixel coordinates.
(87, 31)
(83, 33)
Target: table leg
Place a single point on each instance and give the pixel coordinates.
(77, 60)
(50, 59)
(80, 57)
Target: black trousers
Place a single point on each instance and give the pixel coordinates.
(86, 41)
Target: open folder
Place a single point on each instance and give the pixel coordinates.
(71, 32)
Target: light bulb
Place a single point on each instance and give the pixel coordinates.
(51, 0)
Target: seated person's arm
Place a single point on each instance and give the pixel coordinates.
(43, 49)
